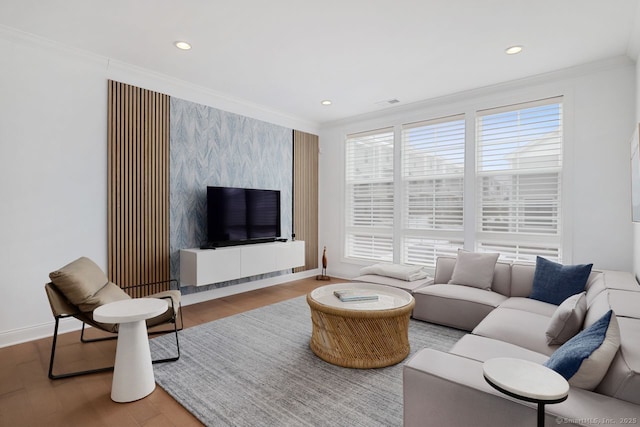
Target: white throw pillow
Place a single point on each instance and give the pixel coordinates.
(397, 271)
(474, 269)
(567, 319)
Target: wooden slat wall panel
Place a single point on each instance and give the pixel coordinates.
(138, 219)
(305, 195)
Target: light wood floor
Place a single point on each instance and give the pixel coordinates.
(29, 398)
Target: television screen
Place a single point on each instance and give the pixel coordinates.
(242, 215)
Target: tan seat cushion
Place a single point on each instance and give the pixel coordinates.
(79, 280)
(167, 315)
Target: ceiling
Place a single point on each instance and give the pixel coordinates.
(288, 55)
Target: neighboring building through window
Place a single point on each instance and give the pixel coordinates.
(519, 180)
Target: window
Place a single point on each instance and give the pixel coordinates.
(518, 181)
(516, 194)
(433, 190)
(370, 195)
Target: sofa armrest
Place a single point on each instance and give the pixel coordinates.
(445, 389)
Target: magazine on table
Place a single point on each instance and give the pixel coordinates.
(347, 295)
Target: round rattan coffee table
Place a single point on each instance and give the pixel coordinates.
(360, 334)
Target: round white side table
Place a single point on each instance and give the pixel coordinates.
(133, 376)
(526, 381)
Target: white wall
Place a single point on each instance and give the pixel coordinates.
(53, 166)
(599, 102)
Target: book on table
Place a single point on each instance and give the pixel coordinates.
(353, 295)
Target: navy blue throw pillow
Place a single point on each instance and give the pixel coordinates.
(585, 359)
(553, 282)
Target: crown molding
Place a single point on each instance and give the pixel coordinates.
(538, 79)
(159, 82)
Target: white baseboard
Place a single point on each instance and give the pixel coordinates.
(31, 333)
(44, 330)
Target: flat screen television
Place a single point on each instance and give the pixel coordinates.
(237, 216)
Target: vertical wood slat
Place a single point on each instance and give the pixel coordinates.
(138, 194)
(305, 195)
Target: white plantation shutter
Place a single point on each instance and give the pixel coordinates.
(518, 182)
(369, 195)
(433, 190)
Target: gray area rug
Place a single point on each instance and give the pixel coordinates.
(256, 369)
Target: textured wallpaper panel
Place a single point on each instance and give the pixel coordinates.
(218, 148)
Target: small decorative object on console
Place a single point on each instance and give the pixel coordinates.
(324, 276)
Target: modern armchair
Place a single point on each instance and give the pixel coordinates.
(81, 286)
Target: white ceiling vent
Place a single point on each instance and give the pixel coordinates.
(387, 101)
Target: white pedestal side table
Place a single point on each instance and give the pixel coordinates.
(526, 381)
(133, 376)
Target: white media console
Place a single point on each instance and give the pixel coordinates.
(206, 266)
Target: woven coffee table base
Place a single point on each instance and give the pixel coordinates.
(360, 338)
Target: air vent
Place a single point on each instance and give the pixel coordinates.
(387, 101)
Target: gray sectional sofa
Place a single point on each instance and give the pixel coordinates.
(448, 388)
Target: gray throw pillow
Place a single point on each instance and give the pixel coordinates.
(474, 269)
(567, 320)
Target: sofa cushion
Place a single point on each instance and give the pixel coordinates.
(530, 305)
(461, 307)
(597, 308)
(397, 271)
(623, 378)
(79, 280)
(409, 286)
(501, 275)
(553, 282)
(595, 285)
(622, 280)
(522, 328)
(474, 269)
(567, 319)
(483, 348)
(625, 303)
(585, 358)
(522, 279)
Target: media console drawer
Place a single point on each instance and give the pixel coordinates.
(206, 266)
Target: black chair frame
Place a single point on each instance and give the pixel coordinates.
(174, 330)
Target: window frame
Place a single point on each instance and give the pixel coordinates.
(484, 100)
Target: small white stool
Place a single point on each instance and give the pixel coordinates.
(526, 381)
(133, 376)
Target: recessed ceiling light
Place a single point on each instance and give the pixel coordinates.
(183, 45)
(326, 102)
(512, 50)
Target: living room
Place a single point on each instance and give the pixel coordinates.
(54, 125)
